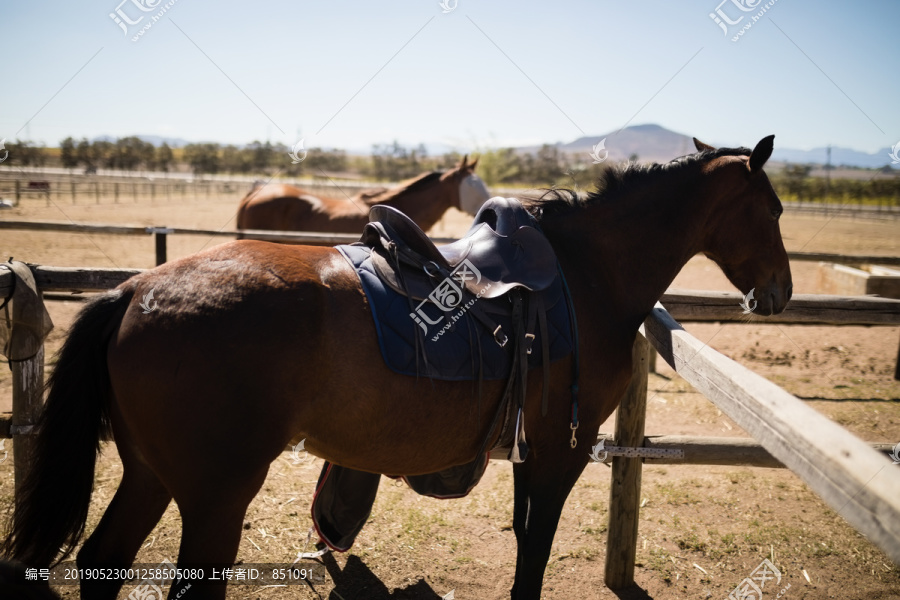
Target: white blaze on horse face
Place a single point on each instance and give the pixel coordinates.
(472, 194)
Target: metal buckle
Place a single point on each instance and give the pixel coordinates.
(529, 337)
(500, 337)
(431, 264)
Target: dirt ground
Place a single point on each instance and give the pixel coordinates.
(702, 529)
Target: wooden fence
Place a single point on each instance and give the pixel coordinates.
(853, 477)
(121, 189)
(316, 238)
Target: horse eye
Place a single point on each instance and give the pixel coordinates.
(776, 213)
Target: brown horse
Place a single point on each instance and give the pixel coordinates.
(274, 344)
(424, 199)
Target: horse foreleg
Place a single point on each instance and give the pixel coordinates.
(212, 522)
(135, 510)
(540, 494)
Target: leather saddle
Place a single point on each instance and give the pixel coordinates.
(501, 251)
(502, 255)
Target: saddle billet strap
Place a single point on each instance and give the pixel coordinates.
(394, 255)
(545, 353)
(520, 372)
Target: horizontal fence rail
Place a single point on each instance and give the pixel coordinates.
(323, 238)
(854, 479)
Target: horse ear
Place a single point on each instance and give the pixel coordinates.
(761, 153)
(462, 164)
(700, 146)
(473, 164)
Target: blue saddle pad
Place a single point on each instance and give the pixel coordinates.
(454, 345)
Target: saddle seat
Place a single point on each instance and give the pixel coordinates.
(502, 250)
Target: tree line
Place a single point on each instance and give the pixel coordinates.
(545, 167)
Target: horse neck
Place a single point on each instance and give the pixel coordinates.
(425, 205)
(625, 254)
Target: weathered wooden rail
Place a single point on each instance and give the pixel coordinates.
(313, 238)
(850, 475)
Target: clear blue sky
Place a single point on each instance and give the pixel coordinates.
(349, 74)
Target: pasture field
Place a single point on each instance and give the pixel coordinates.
(702, 529)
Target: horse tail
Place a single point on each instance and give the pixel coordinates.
(52, 504)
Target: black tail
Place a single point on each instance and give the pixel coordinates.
(52, 504)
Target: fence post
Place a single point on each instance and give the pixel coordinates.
(625, 488)
(18, 191)
(897, 366)
(159, 233)
(27, 383)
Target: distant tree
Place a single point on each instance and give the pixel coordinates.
(128, 153)
(235, 160)
(25, 153)
(449, 160)
(104, 153)
(547, 168)
(203, 158)
(164, 157)
(320, 159)
(147, 153)
(84, 154)
(796, 180)
(500, 166)
(262, 155)
(67, 153)
(393, 162)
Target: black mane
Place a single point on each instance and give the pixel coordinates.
(616, 179)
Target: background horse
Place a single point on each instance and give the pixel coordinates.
(424, 199)
(273, 344)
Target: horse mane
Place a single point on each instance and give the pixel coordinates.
(409, 186)
(615, 180)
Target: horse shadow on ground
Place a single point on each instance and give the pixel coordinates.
(356, 580)
(634, 592)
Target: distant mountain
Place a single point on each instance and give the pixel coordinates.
(653, 143)
(839, 157)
